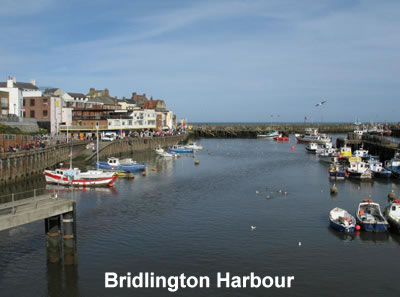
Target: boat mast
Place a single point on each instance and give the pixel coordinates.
(97, 144)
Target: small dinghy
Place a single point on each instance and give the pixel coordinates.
(341, 220)
(126, 165)
(392, 214)
(180, 149)
(269, 135)
(280, 137)
(312, 147)
(370, 217)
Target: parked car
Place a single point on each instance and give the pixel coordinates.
(109, 137)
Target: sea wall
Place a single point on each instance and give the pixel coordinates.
(251, 130)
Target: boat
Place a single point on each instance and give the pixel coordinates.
(387, 131)
(393, 165)
(270, 134)
(126, 165)
(159, 150)
(312, 135)
(180, 149)
(363, 154)
(345, 152)
(336, 171)
(194, 146)
(392, 214)
(328, 157)
(74, 177)
(341, 220)
(280, 137)
(370, 217)
(312, 147)
(378, 170)
(359, 170)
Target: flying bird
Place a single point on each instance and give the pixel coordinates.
(319, 104)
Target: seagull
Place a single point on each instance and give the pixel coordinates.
(319, 104)
(253, 228)
(299, 243)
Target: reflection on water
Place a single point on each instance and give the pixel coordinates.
(196, 220)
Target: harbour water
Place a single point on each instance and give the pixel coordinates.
(196, 220)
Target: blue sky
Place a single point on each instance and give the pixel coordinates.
(215, 60)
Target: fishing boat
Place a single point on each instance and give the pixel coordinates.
(126, 165)
(74, 177)
(359, 170)
(370, 217)
(393, 165)
(312, 135)
(194, 146)
(341, 220)
(312, 147)
(392, 214)
(280, 137)
(270, 134)
(336, 171)
(180, 149)
(363, 154)
(378, 170)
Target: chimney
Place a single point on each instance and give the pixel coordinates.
(91, 90)
(33, 82)
(115, 100)
(10, 82)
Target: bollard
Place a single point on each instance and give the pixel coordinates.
(53, 239)
(70, 250)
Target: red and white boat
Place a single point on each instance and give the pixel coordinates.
(74, 177)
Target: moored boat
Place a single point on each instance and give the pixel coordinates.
(180, 149)
(312, 135)
(194, 146)
(393, 165)
(341, 220)
(378, 170)
(312, 147)
(270, 134)
(281, 137)
(74, 177)
(359, 170)
(370, 217)
(336, 171)
(392, 214)
(126, 165)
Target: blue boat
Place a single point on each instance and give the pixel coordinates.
(336, 171)
(125, 165)
(341, 220)
(370, 217)
(181, 149)
(394, 165)
(378, 170)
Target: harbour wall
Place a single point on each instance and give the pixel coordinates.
(251, 130)
(15, 167)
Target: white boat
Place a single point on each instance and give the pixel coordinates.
(159, 150)
(392, 214)
(194, 146)
(359, 170)
(74, 177)
(341, 220)
(328, 157)
(370, 217)
(361, 153)
(127, 161)
(270, 134)
(312, 147)
(312, 135)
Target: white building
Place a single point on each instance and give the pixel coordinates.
(144, 119)
(17, 91)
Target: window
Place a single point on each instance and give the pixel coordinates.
(45, 113)
(4, 112)
(4, 102)
(32, 113)
(130, 122)
(44, 101)
(33, 103)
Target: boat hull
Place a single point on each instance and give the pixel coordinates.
(340, 227)
(53, 178)
(373, 227)
(125, 168)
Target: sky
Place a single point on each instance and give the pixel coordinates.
(215, 61)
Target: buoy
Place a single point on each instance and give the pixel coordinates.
(197, 162)
(299, 243)
(144, 173)
(285, 193)
(334, 189)
(358, 227)
(131, 175)
(392, 195)
(293, 147)
(257, 192)
(209, 153)
(268, 197)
